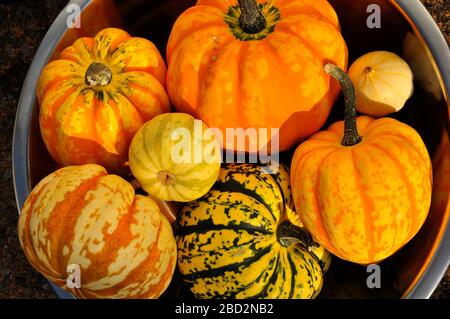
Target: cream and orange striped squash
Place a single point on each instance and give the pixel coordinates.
(80, 215)
(97, 94)
(362, 197)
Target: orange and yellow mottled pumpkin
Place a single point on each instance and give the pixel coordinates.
(256, 64)
(95, 97)
(80, 215)
(362, 197)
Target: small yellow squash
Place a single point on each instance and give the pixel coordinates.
(383, 83)
(175, 157)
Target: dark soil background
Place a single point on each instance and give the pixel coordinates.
(23, 24)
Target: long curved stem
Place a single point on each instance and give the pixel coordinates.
(351, 136)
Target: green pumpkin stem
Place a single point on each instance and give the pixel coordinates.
(288, 233)
(351, 136)
(98, 74)
(251, 20)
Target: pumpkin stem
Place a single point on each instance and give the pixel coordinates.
(135, 184)
(251, 20)
(166, 177)
(98, 74)
(288, 233)
(351, 136)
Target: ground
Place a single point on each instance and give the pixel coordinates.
(22, 26)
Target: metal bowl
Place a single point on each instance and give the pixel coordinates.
(406, 28)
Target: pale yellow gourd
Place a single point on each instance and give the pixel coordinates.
(383, 82)
(175, 157)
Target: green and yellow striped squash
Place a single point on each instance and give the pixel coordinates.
(239, 240)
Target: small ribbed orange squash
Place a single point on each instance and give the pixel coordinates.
(80, 215)
(97, 94)
(256, 64)
(362, 197)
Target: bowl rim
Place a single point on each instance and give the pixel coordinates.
(412, 9)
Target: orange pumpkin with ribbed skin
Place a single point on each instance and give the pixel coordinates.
(80, 215)
(95, 97)
(265, 73)
(367, 196)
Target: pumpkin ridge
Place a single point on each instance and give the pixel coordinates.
(153, 253)
(199, 252)
(405, 139)
(290, 9)
(272, 279)
(96, 104)
(281, 65)
(283, 196)
(375, 86)
(191, 32)
(413, 212)
(368, 220)
(247, 262)
(318, 54)
(53, 142)
(315, 190)
(232, 186)
(192, 11)
(374, 124)
(392, 73)
(205, 72)
(217, 202)
(207, 225)
(93, 256)
(293, 274)
(101, 104)
(165, 278)
(24, 235)
(414, 152)
(296, 169)
(54, 83)
(388, 84)
(74, 206)
(154, 160)
(263, 273)
(241, 60)
(308, 270)
(313, 13)
(123, 227)
(163, 103)
(124, 283)
(395, 236)
(131, 105)
(78, 52)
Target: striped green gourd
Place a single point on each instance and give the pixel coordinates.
(244, 240)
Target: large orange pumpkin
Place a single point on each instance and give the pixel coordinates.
(95, 97)
(256, 64)
(80, 215)
(362, 197)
